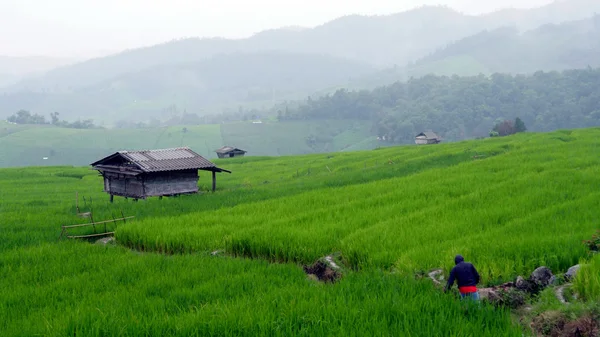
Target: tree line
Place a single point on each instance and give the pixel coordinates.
(26, 117)
(463, 107)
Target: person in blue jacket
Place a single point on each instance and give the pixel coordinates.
(466, 277)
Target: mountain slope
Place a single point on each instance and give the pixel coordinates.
(568, 45)
(379, 40)
(458, 108)
(13, 69)
(552, 47)
(196, 87)
(556, 12)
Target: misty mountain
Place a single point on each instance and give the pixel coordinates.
(550, 47)
(557, 12)
(195, 87)
(377, 40)
(568, 45)
(8, 79)
(13, 69)
(382, 41)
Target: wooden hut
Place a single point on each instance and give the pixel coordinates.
(162, 172)
(427, 137)
(230, 152)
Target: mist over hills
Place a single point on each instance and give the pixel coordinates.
(236, 77)
(568, 45)
(379, 40)
(13, 69)
(205, 76)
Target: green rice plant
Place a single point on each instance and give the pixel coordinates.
(411, 221)
(508, 205)
(77, 288)
(587, 281)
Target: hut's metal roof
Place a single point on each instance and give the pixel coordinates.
(226, 149)
(181, 158)
(428, 135)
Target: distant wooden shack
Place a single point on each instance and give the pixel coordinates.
(427, 137)
(230, 152)
(162, 172)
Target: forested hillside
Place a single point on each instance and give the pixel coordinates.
(255, 81)
(555, 12)
(455, 107)
(464, 107)
(379, 40)
(550, 47)
(224, 79)
(568, 45)
(202, 77)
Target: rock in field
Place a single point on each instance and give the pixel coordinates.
(570, 274)
(542, 276)
(324, 269)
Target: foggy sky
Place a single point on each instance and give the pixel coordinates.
(87, 28)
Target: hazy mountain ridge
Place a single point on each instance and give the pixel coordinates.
(199, 74)
(13, 69)
(377, 40)
(568, 45)
(550, 47)
(194, 86)
(380, 40)
(554, 13)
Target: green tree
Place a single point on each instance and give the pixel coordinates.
(520, 125)
(464, 107)
(26, 117)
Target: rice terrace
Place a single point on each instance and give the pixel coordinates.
(341, 244)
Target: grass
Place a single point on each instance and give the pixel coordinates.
(587, 283)
(63, 146)
(289, 138)
(507, 204)
(383, 217)
(28, 145)
(100, 291)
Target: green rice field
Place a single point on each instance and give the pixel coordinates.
(46, 145)
(507, 204)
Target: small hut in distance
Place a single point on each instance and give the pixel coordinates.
(427, 137)
(162, 172)
(230, 152)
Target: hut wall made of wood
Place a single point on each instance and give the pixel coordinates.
(425, 141)
(124, 185)
(421, 141)
(171, 182)
(231, 154)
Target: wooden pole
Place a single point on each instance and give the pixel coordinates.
(93, 223)
(77, 201)
(124, 219)
(214, 181)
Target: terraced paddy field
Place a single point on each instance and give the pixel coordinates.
(231, 262)
(47, 145)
